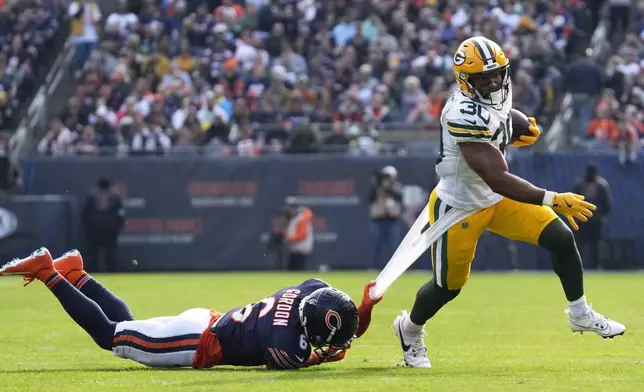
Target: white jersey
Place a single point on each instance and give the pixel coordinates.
(464, 120)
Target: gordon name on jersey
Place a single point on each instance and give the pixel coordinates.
(463, 120)
(268, 331)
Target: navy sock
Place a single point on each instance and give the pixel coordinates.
(114, 307)
(85, 312)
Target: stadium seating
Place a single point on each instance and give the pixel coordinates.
(243, 80)
(610, 116)
(28, 28)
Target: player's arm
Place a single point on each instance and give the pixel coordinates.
(474, 138)
(279, 359)
(283, 360)
(365, 309)
(488, 162)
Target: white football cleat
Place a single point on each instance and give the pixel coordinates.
(595, 322)
(413, 345)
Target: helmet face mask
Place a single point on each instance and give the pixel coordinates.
(329, 318)
(482, 71)
(491, 87)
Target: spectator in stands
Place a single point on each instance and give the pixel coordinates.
(525, 96)
(246, 143)
(628, 139)
(124, 20)
(87, 142)
(85, 17)
(620, 18)
(616, 78)
(603, 129)
(584, 81)
(412, 95)
(149, 139)
(109, 139)
(596, 190)
(429, 110)
(57, 141)
(337, 141)
(635, 94)
(303, 138)
(583, 24)
(187, 128)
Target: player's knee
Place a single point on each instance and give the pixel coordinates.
(557, 236)
(453, 290)
(457, 283)
(104, 336)
(104, 342)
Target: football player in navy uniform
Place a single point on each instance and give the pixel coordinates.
(297, 327)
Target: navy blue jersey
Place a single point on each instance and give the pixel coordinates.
(268, 331)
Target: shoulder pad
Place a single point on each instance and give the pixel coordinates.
(319, 283)
(466, 119)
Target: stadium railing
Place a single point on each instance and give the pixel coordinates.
(390, 139)
(37, 114)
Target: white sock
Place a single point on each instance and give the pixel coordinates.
(410, 327)
(578, 307)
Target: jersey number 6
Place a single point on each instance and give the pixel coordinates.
(242, 314)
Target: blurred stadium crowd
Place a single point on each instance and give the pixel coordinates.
(278, 76)
(27, 28)
(611, 114)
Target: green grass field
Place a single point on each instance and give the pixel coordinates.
(505, 332)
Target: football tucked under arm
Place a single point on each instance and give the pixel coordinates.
(524, 129)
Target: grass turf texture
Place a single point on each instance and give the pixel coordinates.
(505, 332)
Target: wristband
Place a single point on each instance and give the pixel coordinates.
(547, 198)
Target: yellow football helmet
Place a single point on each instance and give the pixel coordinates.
(482, 70)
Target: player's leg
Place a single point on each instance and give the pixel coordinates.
(162, 342)
(541, 226)
(452, 256)
(70, 266)
(85, 312)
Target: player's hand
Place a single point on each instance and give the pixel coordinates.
(366, 297)
(573, 206)
(527, 140)
(335, 354)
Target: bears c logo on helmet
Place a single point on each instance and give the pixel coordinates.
(333, 320)
(459, 57)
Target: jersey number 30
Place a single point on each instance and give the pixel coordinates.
(473, 109)
(503, 131)
(266, 306)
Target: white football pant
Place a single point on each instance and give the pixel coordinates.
(162, 341)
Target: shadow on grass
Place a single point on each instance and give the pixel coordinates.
(235, 370)
(254, 375)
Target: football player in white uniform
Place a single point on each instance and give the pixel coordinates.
(476, 127)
